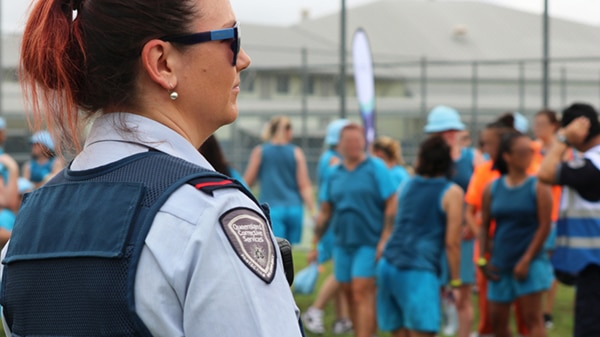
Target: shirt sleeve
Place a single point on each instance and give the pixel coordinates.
(581, 175)
(324, 188)
(193, 280)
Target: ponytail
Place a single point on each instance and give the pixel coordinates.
(52, 68)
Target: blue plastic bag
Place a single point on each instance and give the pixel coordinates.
(306, 280)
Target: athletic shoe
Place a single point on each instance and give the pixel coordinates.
(548, 322)
(342, 326)
(313, 321)
(449, 316)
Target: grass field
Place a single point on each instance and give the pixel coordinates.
(563, 308)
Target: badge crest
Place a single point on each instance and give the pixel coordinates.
(250, 237)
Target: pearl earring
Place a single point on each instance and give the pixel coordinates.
(174, 95)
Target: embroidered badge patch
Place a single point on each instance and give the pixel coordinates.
(250, 237)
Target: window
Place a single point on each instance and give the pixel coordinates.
(283, 84)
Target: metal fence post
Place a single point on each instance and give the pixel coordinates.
(423, 86)
(522, 87)
(304, 98)
(475, 95)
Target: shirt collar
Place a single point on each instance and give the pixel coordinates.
(141, 133)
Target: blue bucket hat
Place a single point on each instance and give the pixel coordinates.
(333, 131)
(443, 118)
(43, 138)
(521, 123)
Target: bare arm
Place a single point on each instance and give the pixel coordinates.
(322, 222)
(548, 168)
(575, 132)
(391, 207)
(544, 211)
(304, 184)
(471, 219)
(452, 203)
(486, 220)
(4, 237)
(9, 191)
(253, 166)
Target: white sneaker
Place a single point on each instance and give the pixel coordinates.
(450, 317)
(342, 326)
(313, 321)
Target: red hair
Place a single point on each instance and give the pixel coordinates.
(73, 67)
(52, 61)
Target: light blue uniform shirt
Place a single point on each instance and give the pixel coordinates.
(190, 281)
(358, 201)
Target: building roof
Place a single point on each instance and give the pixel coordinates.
(406, 30)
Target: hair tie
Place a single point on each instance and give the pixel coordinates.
(76, 4)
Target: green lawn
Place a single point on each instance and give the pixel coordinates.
(563, 308)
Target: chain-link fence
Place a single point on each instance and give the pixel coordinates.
(308, 92)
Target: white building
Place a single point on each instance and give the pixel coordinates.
(478, 57)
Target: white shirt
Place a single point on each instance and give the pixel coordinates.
(190, 281)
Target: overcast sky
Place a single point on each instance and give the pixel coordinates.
(285, 12)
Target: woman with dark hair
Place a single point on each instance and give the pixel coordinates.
(429, 219)
(482, 176)
(139, 236)
(518, 269)
(211, 150)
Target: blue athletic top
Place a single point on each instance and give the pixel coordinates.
(233, 173)
(358, 200)
(419, 235)
(515, 212)
(40, 171)
(7, 219)
(323, 167)
(463, 168)
(277, 175)
(399, 175)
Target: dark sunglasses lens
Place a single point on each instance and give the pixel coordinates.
(235, 47)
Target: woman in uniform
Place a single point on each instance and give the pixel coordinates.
(139, 236)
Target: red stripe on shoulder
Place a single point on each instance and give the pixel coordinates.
(213, 184)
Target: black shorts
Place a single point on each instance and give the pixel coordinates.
(587, 315)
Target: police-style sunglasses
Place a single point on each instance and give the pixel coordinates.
(232, 34)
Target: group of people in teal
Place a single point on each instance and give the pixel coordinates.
(401, 242)
(34, 172)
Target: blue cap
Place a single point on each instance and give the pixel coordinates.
(521, 123)
(44, 138)
(24, 185)
(443, 118)
(2, 123)
(333, 131)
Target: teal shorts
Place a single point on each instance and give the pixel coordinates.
(287, 223)
(407, 299)
(508, 288)
(354, 262)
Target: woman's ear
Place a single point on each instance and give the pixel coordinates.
(158, 59)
